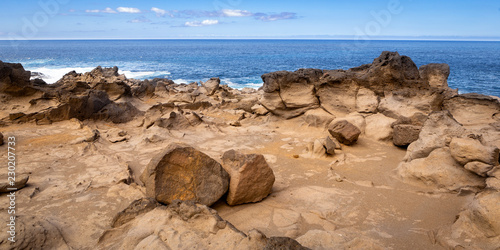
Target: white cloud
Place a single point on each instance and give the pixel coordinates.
(236, 13)
(159, 12)
(202, 23)
(141, 19)
(128, 10)
(107, 10)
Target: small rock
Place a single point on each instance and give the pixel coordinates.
(296, 156)
(344, 131)
(20, 182)
(330, 145)
(235, 124)
(479, 168)
(251, 178)
(184, 173)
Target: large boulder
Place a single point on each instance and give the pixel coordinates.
(181, 172)
(344, 131)
(186, 225)
(441, 171)
(465, 150)
(474, 109)
(251, 178)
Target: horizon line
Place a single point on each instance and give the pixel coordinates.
(462, 39)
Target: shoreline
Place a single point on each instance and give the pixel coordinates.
(384, 155)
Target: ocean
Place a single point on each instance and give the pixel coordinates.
(475, 66)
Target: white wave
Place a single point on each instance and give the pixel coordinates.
(233, 83)
(143, 74)
(52, 75)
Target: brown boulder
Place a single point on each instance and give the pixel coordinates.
(251, 178)
(211, 85)
(181, 172)
(344, 132)
(405, 134)
(14, 80)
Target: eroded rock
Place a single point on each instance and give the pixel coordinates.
(251, 178)
(344, 132)
(181, 172)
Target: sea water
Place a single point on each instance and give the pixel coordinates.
(475, 66)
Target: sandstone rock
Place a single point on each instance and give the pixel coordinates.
(211, 85)
(290, 94)
(435, 74)
(117, 135)
(20, 182)
(259, 109)
(403, 134)
(493, 183)
(366, 101)
(251, 178)
(35, 233)
(135, 209)
(184, 173)
(410, 101)
(465, 150)
(330, 145)
(179, 120)
(318, 118)
(344, 132)
(473, 109)
(437, 132)
(185, 225)
(479, 168)
(478, 222)
(378, 127)
(440, 170)
(319, 239)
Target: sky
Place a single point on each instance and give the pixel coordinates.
(251, 19)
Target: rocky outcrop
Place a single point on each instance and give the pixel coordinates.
(186, 225)
(211, 85)
(474, 109)
(391, 84)
(181, 172)
(345, 132)
(251, 178)
(14, 80)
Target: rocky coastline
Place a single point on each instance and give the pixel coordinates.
(381, 156)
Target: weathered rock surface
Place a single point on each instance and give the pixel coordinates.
(440, 170)
(211, 85)
(473, 109)
(181, 172)
(318, 118)
(477, 226)
(465, 150)
(251, 178)
(14, 80)
(479, 168)
(378, 127)
(391, 84)
(344, 132)
(135, 209)
(185, 225)
(405, 134)
(19, 182)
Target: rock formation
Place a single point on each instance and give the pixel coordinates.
(251, 179)
(183, 173)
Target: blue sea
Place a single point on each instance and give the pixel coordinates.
(475, 66)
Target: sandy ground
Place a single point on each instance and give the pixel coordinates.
(79, 186)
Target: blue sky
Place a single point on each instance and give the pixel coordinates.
(125, 19)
